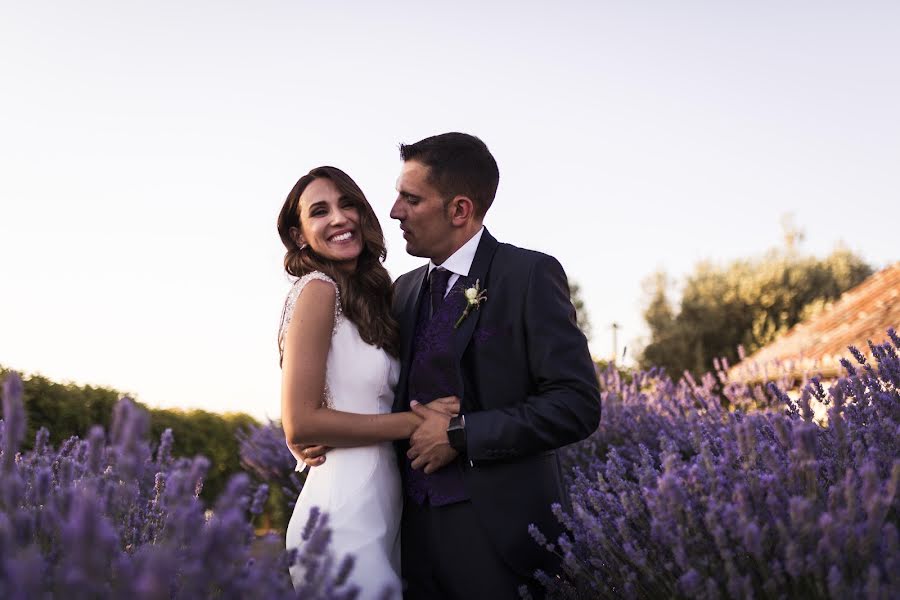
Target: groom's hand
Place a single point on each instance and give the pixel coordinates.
(429, 447)
(449, 405)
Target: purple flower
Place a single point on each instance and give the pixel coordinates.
(13, 418)
(92, 520)
(164, 451)
(259, 499)
(265, 454)
(708, 488)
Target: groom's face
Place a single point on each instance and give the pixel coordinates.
(422, 214)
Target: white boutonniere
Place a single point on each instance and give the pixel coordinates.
(474, 297)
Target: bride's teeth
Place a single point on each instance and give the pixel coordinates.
(342, 237)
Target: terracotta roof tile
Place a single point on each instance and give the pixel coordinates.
(860, 314)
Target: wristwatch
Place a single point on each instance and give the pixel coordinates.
(456, 433)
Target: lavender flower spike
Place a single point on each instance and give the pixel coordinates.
(13, 418)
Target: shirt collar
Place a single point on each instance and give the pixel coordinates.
(460, 262)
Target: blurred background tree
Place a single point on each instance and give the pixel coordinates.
(581, 313)
(211, 434)
(67, 409)
(747, 302)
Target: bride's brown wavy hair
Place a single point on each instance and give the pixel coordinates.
(366, 292)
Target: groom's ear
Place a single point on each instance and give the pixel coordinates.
(461, 209)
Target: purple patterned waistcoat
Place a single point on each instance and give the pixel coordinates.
(434, 373)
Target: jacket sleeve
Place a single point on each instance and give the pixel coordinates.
(564, 406)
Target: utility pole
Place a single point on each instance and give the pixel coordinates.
(615, 342)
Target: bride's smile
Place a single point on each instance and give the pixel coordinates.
(329, 224)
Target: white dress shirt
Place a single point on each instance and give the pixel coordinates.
(460, 262)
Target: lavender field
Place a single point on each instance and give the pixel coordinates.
(110, 517)
(689, 489)
(713, 489)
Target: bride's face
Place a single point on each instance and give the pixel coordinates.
(329, 224)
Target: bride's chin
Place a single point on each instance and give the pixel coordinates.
(347, 250)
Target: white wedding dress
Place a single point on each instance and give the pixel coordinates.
(359, 488)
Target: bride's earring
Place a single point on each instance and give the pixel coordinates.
(298, 239)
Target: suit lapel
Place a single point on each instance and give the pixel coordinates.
(480, 266)
(409, 310)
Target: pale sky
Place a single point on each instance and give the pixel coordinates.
(146, 148)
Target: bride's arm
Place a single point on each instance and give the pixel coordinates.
(305, 420)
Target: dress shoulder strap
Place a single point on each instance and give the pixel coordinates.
(290, 302)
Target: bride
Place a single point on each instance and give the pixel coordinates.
(338, 344)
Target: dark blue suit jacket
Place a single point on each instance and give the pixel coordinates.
(529, 388)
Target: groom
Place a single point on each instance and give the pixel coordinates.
(492, 325)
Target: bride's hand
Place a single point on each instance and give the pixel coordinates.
(449, 405)
(313, 456)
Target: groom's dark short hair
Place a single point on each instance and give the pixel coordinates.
(460, 164)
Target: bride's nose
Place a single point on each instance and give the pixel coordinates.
(338, 217)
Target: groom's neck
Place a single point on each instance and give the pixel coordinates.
(459, 238)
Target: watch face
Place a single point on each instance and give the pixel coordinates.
(456, 435)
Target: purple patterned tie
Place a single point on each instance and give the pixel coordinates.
(439, 278)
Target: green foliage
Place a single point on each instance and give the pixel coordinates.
(64, 409)
(581, 313)
(210, 434)
(625, 374)
(70, 409)
(747, 302)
